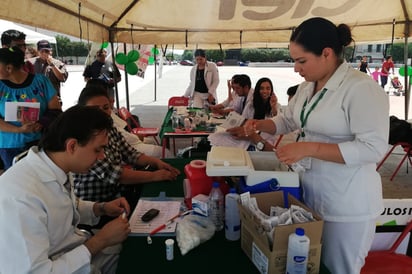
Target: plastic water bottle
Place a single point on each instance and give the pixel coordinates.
(232, 218)
(216, 206)
(190, 102)
(298, 252)
(175, 120)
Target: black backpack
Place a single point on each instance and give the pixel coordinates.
(399, 131)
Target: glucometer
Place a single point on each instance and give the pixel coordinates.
(150, 214)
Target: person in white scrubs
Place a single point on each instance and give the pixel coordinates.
(343, 118)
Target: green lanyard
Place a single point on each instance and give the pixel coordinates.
(303, 117)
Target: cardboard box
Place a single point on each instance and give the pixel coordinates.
(271, 259)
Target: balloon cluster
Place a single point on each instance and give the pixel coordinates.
(154, 51)
(129, 61)
(402, 71)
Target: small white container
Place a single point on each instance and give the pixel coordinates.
(169, 249)
(232, 218)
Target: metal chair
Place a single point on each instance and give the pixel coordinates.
(137, 129)
(387, 261)
(407, 148)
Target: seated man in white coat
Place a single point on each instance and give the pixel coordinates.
(39, 213)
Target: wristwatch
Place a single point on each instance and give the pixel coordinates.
(260, 145)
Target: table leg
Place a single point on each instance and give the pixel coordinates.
(163, 146)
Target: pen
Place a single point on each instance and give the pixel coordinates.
(163, 226)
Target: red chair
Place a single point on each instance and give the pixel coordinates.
(178, 101)
(138, 130)
(407, 148)
(387, 261)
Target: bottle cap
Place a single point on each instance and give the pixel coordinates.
(216, 184)
(300, 231)
(232, 190)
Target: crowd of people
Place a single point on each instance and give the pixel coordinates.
(382, 74)
(80, 167)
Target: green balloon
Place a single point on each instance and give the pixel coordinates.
(133, 55)
(122, 58)
(104, 45)
(155, 51)
(131, 68)
(402, 71)
(151, 60)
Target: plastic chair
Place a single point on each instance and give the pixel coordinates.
(178, 101)
(387, 261)
(407, 148)
(137, 129)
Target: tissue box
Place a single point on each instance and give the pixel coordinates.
(200, 205)
(271, 258)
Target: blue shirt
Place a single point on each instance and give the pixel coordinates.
(36, 88)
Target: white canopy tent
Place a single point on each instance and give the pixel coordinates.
(32, 37)
(231, 23)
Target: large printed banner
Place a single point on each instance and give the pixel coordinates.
(143, 61)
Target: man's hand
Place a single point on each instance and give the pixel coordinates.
(112, 233)
(116, 207)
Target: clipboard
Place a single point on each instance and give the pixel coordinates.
(168, 208)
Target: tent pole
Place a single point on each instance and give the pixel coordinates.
(407, 76)
(155, 78)
(116, 90)
(126, 81)
(406, 79)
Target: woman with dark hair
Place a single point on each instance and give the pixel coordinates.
(18, 86)
(204, 79)
(265, 102)
(265, 105)
(339, 142)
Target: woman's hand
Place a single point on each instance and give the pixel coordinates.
(30, 126)
(245, 132)
(274, 104)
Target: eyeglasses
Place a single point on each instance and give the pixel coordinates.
(45, 50)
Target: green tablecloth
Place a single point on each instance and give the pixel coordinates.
(167, 123)
(216, 256)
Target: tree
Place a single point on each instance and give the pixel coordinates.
(397, 52)
(264, 55)
(215, 55)
(65, 47)
(187, 55)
